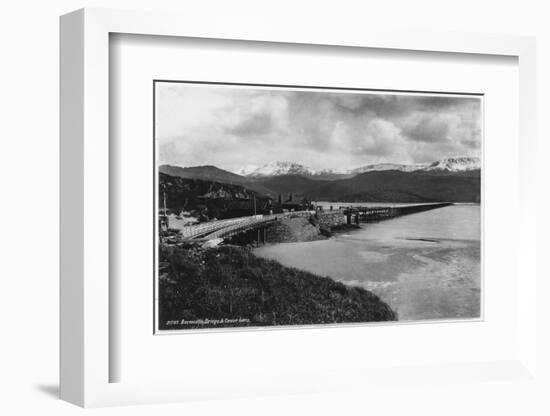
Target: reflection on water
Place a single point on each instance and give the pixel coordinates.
(425, 265)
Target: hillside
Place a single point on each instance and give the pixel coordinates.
(209, 198)
(397, 186)
(214, 174)
(286, 184)
(232, 287)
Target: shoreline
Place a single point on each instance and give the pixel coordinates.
(229, 286)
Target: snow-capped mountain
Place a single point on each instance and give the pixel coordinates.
(453, 164)
(278, 168)
(456, 164)
(247, 170)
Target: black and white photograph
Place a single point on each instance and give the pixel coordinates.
(301, 206)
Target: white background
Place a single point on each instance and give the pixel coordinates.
(29, 305)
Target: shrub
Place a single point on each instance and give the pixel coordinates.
(230, 282)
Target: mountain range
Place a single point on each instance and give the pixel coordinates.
(451, 180)
(279, 168)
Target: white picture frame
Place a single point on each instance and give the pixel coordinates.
(85, 163)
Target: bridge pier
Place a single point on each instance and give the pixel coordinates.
(262, 235)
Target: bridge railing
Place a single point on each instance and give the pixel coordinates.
(217, 228)
(241, 227)
(191, 231)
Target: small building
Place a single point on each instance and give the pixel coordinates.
(296, 203)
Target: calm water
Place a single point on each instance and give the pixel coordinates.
(425, 265)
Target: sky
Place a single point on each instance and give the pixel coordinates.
(233, 127)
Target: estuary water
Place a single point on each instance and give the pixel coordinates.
(424, 265)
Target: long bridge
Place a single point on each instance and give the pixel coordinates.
(224, 229)
(378, 213)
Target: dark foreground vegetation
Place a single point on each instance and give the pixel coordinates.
(229, 286)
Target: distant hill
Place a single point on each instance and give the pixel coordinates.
(455, 164)
(286, 184)
(398, 186)
(207, 172)
(284, 168)
(388, 166)
(212, 173)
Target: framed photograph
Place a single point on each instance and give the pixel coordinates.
(254, 211)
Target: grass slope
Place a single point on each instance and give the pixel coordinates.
(230, 283)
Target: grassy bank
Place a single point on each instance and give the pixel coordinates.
(229, 286)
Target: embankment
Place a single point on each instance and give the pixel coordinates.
(294, 228)
(331, 219)
(228, 286)
(304, 226)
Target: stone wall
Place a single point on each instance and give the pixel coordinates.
(292, 229)
(331, 219)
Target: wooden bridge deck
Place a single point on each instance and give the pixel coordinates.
(371, 213)
(242, 226)
(225, 228)
(233, 226)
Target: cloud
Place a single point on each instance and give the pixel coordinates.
(233, 127)
(429, 128)
(256, 125)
